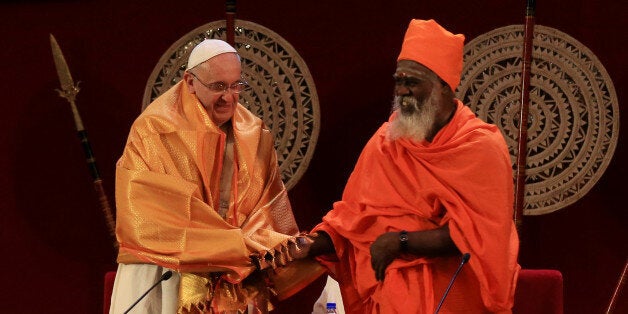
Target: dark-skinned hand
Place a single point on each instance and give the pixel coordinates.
(301, 248)
(383, 251)
(312, 245)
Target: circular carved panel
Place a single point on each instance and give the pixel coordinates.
(281, 90)
(573, 113)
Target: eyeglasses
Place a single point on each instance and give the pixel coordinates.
(221, 87)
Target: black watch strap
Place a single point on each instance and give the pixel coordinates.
(403, 241)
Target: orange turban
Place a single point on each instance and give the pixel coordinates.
(431, 45)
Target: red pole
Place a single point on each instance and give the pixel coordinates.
(620, 284)
(522, 151)
(230, 17)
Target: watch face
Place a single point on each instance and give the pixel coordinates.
(403, 241)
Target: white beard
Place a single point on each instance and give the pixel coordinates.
(413, 121)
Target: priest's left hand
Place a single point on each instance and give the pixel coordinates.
(383, 251)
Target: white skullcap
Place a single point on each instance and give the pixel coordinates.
(206, 50)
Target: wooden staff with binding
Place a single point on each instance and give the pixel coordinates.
(68, 91)
(230, 18)
(522, 151)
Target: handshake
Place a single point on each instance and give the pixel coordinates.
(300, 248)
(304, 246)
(289, 277)
(311, 245)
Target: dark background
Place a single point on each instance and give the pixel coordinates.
(54, 243)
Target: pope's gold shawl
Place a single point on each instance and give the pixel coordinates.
(167, 190)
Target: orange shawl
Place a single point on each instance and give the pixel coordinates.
(167, 189)
(462, 178)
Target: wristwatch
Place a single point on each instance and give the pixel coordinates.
(403, 241)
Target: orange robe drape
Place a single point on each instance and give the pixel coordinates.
(462, 178)
(167, 192)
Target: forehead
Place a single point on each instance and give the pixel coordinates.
(413, 68)
(224, 65)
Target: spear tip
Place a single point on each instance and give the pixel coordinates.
(65, 78)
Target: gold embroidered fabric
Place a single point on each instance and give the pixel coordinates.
(168, 194)
(212, 294)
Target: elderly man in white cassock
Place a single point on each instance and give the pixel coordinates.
(199, 195)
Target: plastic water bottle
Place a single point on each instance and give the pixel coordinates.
(331, 308)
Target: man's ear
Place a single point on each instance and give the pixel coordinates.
(188, 79)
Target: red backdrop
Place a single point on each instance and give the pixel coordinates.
(54, 243)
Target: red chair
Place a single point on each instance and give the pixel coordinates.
(539, 291)
(110, 277)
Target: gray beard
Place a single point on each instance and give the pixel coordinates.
(414, 120)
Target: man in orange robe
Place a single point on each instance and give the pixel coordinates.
(432, 183)
(199, 191)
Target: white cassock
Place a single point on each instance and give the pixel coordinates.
(330, 294)
(133, 280)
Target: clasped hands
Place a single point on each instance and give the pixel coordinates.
(312, 245)
(383, 251)
(302, 246)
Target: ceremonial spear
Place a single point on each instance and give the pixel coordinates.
(522, 151)
(68, 91)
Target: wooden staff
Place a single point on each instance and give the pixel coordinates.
(230, 17)
(522, 152)
(68, 91)
(620, 284)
